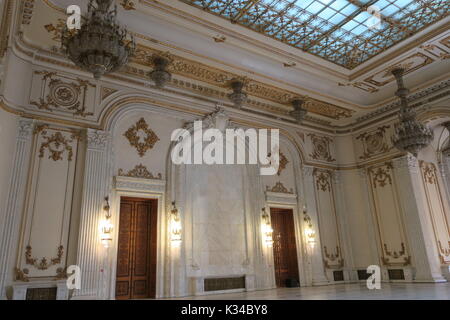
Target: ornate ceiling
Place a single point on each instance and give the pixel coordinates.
(208, 51)
(340, 31)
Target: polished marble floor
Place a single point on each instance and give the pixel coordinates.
(392, 291)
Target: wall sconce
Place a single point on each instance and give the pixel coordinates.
(106, 227)
(175, 226)
(309, 230)
(266, 228)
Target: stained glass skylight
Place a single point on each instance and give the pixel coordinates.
(346, 32)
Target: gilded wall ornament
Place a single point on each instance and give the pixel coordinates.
(280, 188)
(333, 257)
(61, 273)
(43, 263)
(21, 275)
(141, 137)
(443, 253)
(323, 179)
(321, 148)
(128, 5)
(396, 255)
(57, 144)
(58, 94)
(374, 142)
(106, 92)
(429, 172)
(381, 176)
(283, 161)
(140, 171)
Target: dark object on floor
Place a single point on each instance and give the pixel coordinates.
(292, 283)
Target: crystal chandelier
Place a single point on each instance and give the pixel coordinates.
(101, 45)
(409, 135)
(299, 111)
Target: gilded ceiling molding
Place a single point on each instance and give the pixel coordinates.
(220, 78)
(27, 14)
(50, 4)
(56, 30)
(5, 26)
(140, 171)
(128, 5)
(147, 142)
(106, 92)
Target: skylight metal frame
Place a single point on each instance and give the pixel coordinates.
(348, 41)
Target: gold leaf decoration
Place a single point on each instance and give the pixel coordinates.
(148, 141)
(43, 263)
(280, 188)
(140, 171)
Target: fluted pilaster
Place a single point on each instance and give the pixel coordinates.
(317, 267)
(14, 202)
(95, 187)
(418, 228)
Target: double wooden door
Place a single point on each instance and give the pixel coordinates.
(284, 246)
(136, 256)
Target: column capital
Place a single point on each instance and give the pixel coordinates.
(308, 171)
(97, 139)
(25, 128)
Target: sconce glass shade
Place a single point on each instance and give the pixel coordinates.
(106, 232)
(266, 229)
(175, 226)
(310, 233)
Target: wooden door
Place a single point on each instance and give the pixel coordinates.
(284, 246)
(136, 256)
